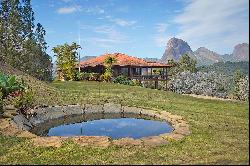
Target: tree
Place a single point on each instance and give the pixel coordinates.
(21, 46)
(108, 62)
(66, 59)
(174, 69)
(186, 63)
(237, 78)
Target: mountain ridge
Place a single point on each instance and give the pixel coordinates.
(177, 47)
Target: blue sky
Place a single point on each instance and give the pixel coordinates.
(142, 27)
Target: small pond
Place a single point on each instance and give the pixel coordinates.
(112, 125)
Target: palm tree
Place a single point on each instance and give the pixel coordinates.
(110, 61)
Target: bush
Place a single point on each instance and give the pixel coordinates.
(9, 85)
(87, 76)
(135, 83)
(121, 79)
(243, 85)
(15, 92)
(106, 76)
(200, 83)
(25, 100)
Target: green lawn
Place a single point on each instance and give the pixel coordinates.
(220, 132)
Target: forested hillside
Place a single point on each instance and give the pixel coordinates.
(227, 68)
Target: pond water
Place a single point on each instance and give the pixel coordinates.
(114, 126)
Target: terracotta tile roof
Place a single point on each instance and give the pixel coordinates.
(122, 60)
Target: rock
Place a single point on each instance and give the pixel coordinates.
(154, 141)
(9, 107)
(22, 122)
(7, 115)
(175, 49)
(48, 141)
(174, 136)
(241, 52)
(26, 134)
(127, 142)
(11, 112)
(89, 108)
(148, 112)
(182, 131)
(134, 110)
(73, 110)
(112, 108)
(96, 141)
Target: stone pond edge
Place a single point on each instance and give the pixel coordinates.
(19, 126)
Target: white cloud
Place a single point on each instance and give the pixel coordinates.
(108, 36)
(94, 10)
(217, 25)
(78, 8)
(161, 27)
(161, 40)
(119, 21)
(122, 22)
(161, 37)
(68, 10)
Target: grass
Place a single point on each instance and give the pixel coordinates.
(220, 131)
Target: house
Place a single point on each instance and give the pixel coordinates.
(132, 67)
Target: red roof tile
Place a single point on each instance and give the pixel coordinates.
(122, 60)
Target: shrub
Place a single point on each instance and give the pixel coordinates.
(15, 92)
(135, 83)
(107, 75)
(200, 83)
(25, 100)
(243, 93)
(121, 79)
(9, 85)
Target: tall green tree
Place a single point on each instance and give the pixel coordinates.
(186, 63)
(66, 59)
(174, 67)
(22, 44)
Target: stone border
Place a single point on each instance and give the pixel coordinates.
(20, 125)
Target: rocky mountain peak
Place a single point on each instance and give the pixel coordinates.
(241, 52)
(175, 49)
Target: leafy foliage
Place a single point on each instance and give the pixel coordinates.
(9, 84)
(108, 62)
(25, 100)
(227, 68)
(22, 44)
(15, 92)
(107, 75)
(87, 76)
(121, 79)
(186, 63)
(66, 59)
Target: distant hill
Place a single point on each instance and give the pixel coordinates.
(151, 59)
(206, 57)
(177, 47)
(85, 58)
(227, 68)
